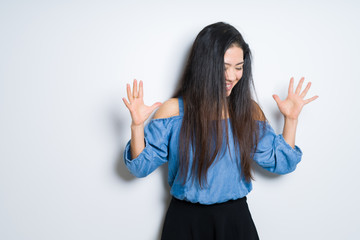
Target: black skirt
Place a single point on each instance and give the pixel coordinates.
(221, 221)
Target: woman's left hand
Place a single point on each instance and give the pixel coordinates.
(292, 105)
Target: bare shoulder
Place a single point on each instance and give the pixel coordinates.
(168, 109)
(258, 114)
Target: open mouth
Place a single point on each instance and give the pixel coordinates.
(228, 86)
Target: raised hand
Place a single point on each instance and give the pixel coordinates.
(293, 104)
(138, 110)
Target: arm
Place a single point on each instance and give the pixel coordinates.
(273, 153)
(148, 146)
(137, 141)
(289, 131)
(291, 108)
(139, 113)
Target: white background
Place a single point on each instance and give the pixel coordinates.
(63, 126)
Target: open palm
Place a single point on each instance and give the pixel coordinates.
(138, 110)
(293, 104)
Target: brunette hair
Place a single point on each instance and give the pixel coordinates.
(202, 88)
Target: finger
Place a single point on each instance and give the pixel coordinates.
(126, 103)
(299, 86)
(303, 94)
(276, 98)
(134, 93)
(155, 105)
(291, 86)
(141, 91)
(128, 90)
(310, 99)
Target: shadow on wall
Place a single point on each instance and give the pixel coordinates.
(166, 196)
(124, 174)
(259, 171)
(118, 123)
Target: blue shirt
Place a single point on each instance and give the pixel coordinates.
(223, 177)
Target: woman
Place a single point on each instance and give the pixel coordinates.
(203, 130)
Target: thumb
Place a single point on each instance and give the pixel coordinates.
(276, 98)
(155, 105)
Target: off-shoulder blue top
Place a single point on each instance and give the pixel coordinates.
(224, 179)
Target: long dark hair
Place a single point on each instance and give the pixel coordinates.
(202, 88)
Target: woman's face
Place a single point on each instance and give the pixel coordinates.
(234, 61)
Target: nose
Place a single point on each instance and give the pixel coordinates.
(230, 74)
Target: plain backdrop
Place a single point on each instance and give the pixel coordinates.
(64, 66)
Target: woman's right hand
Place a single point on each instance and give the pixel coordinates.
(138, 110)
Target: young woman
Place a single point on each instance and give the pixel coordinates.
(210, 133)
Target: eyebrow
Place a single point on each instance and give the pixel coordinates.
(235, 64)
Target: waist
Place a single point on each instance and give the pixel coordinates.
(228, 203)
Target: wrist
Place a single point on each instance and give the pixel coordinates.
(289, 119)
(289, 131)
(137, 127)
(290, 123)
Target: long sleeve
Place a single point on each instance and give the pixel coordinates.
(155, 153)
(274, 154)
